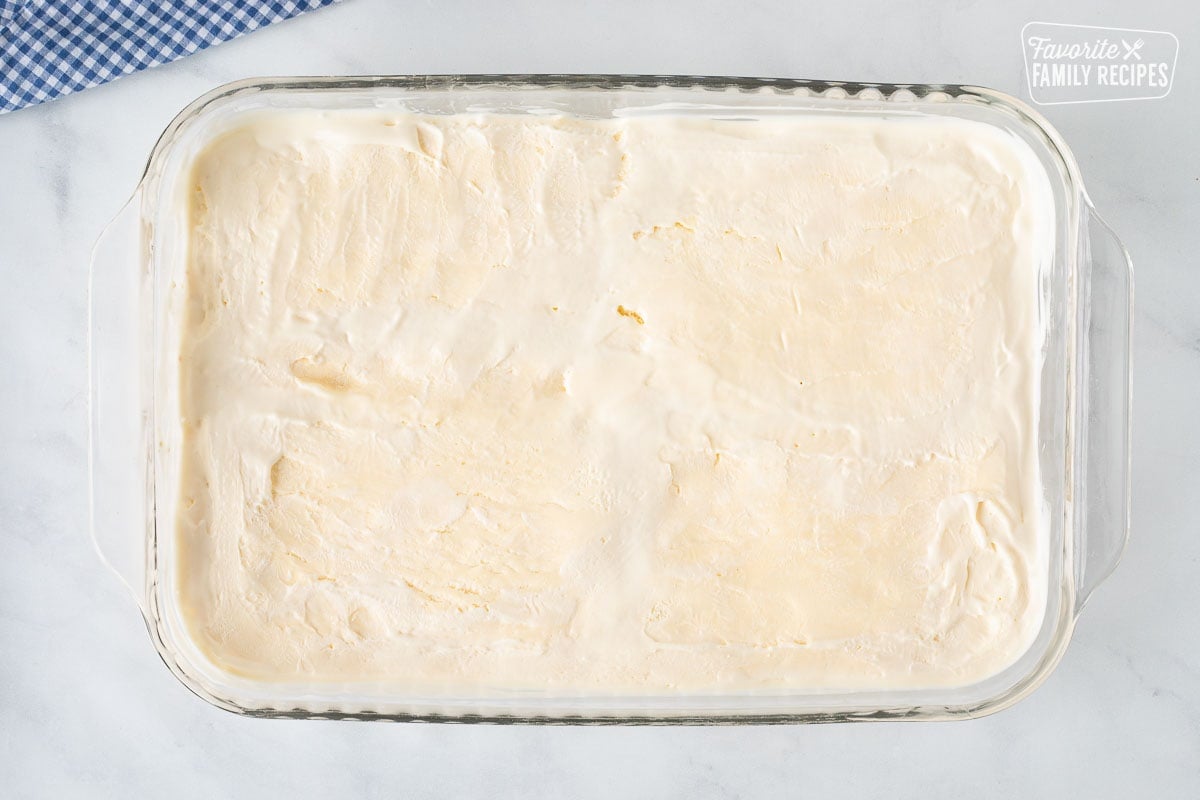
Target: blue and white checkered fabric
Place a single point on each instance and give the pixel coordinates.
(50, 48)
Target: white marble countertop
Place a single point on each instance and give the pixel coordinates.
(87, 710)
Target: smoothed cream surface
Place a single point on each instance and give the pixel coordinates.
(648, 404)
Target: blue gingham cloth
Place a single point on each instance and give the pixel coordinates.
(50, 48)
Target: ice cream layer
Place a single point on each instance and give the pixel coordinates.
(487, 402)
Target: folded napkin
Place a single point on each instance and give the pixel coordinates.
(49, 48)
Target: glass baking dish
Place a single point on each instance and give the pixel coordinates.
(134, 439)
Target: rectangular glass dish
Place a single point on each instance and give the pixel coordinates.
(1082, 414)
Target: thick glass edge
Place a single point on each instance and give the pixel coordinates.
(828, 89)
(809, 87)
(863, 714)
(1101, 552)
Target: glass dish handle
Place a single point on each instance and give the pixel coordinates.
(1105, 442)
(118, 416)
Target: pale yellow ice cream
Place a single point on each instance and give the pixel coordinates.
(649, 404)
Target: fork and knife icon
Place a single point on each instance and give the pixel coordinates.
(1131, 50)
